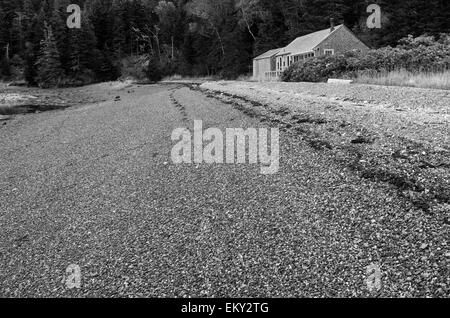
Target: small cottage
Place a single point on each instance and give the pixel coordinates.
(264, 64)
(335, 40)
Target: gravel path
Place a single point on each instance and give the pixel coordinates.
(94, 186)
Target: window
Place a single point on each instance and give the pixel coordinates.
(329, 52)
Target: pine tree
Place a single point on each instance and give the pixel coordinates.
(8, 9)
(118, 38)
(50, 72)
(33, 34)
(60, 31)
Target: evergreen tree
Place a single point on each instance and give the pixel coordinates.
(50, 72)
(60, 31)
(33, 35)
(118, 38)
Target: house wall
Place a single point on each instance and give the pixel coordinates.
(341, 41)
(260, 67)
(255, 69)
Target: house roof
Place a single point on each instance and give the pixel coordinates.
(308, 42)
(268, 54)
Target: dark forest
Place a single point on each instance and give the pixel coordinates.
(186, 37)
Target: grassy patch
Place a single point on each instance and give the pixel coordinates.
(180, 78)
(438, 80)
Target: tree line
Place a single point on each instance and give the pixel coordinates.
(187, 37)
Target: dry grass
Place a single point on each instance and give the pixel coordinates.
(438, 80)
(246, 78)
(180, 78)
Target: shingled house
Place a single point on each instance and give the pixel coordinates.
(334, 40)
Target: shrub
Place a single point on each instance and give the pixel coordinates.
(134, 67)
(321, 68)
(80, 78)
(158, 69)
(107, 69)
(154, 71)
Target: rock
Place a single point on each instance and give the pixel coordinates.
(362, 140)
(339, 81)
(400, 154)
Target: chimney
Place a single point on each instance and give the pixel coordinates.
(332, 24)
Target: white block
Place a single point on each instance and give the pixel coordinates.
(339, 81)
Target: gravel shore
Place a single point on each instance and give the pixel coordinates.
(94, 186)
(397, 135)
